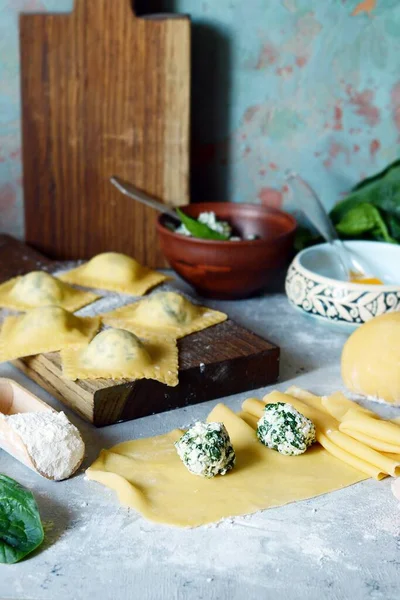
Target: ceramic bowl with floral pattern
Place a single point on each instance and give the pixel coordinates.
(313, 283)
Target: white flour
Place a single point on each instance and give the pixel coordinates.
(54, 444)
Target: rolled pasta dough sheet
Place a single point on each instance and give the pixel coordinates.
(148, 476)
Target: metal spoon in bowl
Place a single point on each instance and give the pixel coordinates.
(133, 192)
(313, 208)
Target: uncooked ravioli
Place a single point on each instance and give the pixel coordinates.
(165, 312)
(116, 272)
(119, 354)
(45, 329)
(39, 288)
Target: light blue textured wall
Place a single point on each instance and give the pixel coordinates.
(313, 86)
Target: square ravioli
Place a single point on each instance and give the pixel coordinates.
(39, 288)
(115, 272)
(119, 354)
(164, 313)
(44, 329)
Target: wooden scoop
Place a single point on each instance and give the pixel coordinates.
(15, 399)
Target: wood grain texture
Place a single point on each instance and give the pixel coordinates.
(17, 258)
(103, 93)
(219, 361)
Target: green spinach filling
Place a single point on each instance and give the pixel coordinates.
(285, 429)
(206, 449)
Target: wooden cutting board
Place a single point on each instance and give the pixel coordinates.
(103, 92)
(219, 361)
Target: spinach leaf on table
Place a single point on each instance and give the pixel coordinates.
(21, 530)
(200, 230)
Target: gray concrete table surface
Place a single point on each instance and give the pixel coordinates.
(337, 546)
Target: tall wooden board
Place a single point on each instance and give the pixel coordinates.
(103, 92)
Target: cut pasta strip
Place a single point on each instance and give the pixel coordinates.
(356, 421)
(328, 435)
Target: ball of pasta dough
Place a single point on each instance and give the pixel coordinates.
(371, 359)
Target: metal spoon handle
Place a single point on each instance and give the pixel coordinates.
(133, 192)
(313, 208)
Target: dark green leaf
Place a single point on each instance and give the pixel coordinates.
(362, 219)
(382, 191)
(394, 226)
(200, 230)
(379, 175)
(304, 238)
(358, 220)
(21, 530)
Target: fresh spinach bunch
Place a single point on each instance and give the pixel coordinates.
(21, 530)
(370, 211)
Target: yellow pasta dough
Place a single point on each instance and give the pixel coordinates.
(44, 329)
(328, 433)
(371, 359)
(169, 313)
(354, 420)
(119, 354)
(149, 476)
(42, 289)
(115, 272)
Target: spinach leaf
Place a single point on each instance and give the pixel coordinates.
(394, 226)
(200, 230)
(381, 190)
(370, 211)
(305, 237)
(379, 175)
(361, 219)
(21, 530)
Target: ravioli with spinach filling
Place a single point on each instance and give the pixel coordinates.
(206, 449)
(285, 429)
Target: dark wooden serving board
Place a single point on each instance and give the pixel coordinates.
(104, 93)
(219, 361)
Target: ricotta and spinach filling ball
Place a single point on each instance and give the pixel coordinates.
(206, 449)
(285, 429)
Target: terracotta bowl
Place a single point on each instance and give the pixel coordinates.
(219, 269)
